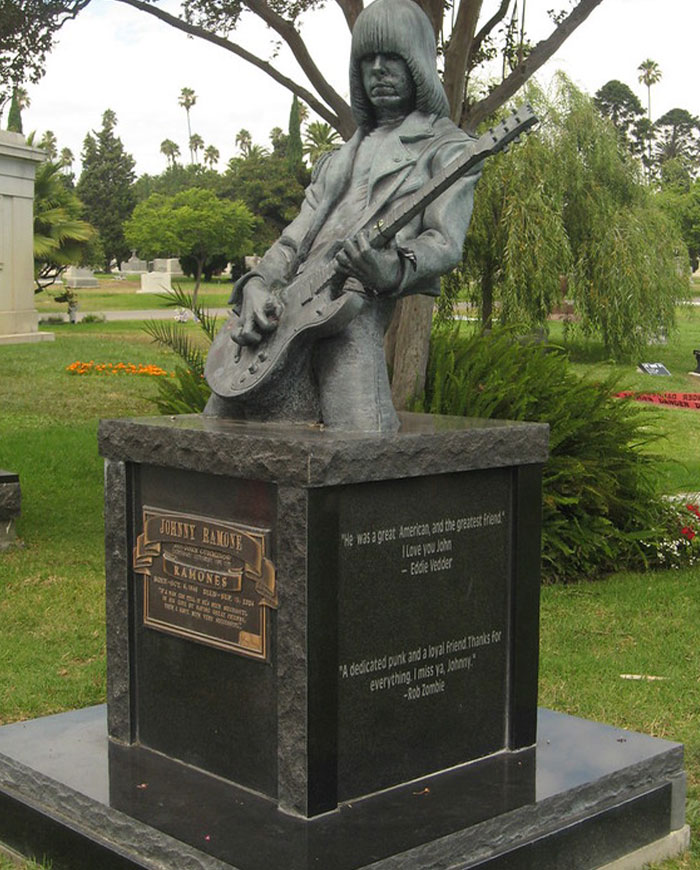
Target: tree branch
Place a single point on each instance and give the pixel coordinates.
(495, 19)
(472, 117)
(457, 54)
(193, 30)
(351, 9)
(434, 9)
(291, 36)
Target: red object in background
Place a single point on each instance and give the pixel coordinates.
(678, 400)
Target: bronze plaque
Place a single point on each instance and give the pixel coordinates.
(207, 580)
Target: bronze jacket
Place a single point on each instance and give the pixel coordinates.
(411, 155)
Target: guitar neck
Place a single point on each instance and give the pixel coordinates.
(384, 229)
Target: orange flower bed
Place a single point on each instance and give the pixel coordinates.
(93, 368)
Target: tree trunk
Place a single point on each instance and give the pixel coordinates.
(413, 318)
(197, 282)
(487, 298)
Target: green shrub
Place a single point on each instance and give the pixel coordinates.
(187, 392)
(599, 484)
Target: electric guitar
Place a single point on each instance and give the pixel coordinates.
(321, 301)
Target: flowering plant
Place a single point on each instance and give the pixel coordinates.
(85, 368)
(680, 548)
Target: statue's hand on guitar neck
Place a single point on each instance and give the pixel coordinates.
(260, 313)
(378, 270)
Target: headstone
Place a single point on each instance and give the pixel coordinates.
(18, 316)
(10, 503)
(696, 372)
(155, 282)
(134, 266)
(653, 369)
(251, 262)
(170, 265)
(76, 277)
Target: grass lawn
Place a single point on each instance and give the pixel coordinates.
(113, 295)
(52, 645)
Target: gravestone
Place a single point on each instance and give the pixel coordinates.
(155, 282)
(696, 371)
(134, 266)
(18, 316)
(656, 369)
(10, 504)
(76, 277)
(170, 265)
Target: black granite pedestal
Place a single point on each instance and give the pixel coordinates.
(322, 653)
(317, 616)
(586, 796)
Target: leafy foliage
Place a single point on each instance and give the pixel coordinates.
(187, 392)
(269, 189)
(599, 495)
(567, 213)
(681, 202)
(678, 138)
(193, 223)
(318, 139)
(617, 101)
(106, 187)
(295, 152)
(61, 238)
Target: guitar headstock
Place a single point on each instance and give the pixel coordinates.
(509, 131)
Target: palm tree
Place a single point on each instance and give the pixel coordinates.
(187, 99)
(171, 150)
(257, 152)
(66, 159)
(48, 143)
(318, 139)
(244, 142)
(211, 156)
(61, 238)
(196, 142)
(649, 74)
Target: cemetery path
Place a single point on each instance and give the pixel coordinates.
(145, 314)
(169, 313)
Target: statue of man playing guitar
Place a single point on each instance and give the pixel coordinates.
(337, 375)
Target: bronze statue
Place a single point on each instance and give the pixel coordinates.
(309, 320)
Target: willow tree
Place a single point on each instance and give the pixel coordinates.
(567, 212)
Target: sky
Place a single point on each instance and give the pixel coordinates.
(113, 56)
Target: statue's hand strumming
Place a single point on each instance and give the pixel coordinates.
(260, 312)
(378, 270)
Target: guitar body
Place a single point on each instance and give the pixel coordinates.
(234, 371)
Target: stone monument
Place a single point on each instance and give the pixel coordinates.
(171, 265)
(155, 282)
(18, 316)
(78, 277)
(322, 616)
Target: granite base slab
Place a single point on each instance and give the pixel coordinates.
(586, 796)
